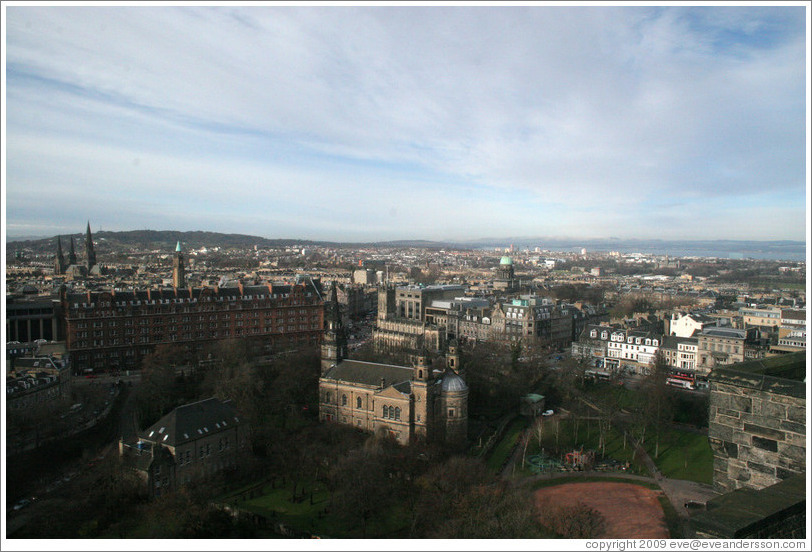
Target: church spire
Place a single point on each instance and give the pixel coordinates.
(59, 261)
(334, 343)
(72, 254)
(91, 253)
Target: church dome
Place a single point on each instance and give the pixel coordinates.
(453, 383)
(506, 261)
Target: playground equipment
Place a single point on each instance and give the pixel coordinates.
(541, 463)
(580, 459)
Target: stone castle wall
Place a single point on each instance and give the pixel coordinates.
(757, 431)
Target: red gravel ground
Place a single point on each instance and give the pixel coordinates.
(631, 511)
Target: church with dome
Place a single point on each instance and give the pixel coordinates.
(427, 401)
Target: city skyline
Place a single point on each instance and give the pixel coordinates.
(386, 123)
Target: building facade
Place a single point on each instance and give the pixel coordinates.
(680, 352)
(718, 346)
(632, 350)
(114, 330)
(29, 318)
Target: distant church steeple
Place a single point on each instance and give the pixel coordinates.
(178, 269)
(59, 261)
(91, 253)
(334, 344)
(72, 254)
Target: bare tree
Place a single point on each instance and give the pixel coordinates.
(576, 522)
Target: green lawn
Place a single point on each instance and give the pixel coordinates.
(683, 455)
(503, 449)
(300, 515)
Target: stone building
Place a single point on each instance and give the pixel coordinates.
(402, 321)
(593, 344)
(357, 300)
(766, 316)
(33, 317)
(35, 381)
(679, 352)
(192, 442)
(719, 346)
(757, 426)
(408, 402)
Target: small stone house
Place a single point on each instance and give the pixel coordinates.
(193, 441)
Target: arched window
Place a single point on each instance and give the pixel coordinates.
(327, 398)
(391, 413)
(343, 400)
(358, 402)
(420, 374)
(397, 413)
(385, 411)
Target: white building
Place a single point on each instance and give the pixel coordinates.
(633, 351)
(686, 325)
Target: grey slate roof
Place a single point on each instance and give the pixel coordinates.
(721, 331)
(368, 373)
(672, 341)
(192, 421)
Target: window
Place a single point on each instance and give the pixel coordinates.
(450, 412)
(343, 400)
(358, 403)
(397, 413)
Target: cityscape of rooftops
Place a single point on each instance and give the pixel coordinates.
(342, 272)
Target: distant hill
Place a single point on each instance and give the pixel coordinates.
(156, 239)
(167, 239)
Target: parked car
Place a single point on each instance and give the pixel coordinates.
(21, 504)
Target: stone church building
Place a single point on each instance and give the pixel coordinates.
(408, 402)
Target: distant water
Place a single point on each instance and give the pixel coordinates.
(722, 249)
(790, 254)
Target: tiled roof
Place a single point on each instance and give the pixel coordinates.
(192, 421)
(368, 373)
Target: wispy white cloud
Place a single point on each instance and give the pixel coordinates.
(316, 120)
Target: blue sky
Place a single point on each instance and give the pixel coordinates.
(423, 122)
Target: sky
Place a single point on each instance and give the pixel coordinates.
(365, 123)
